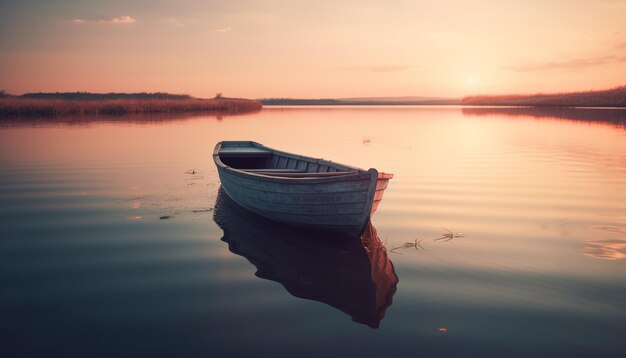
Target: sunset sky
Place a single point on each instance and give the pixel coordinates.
(317, 49)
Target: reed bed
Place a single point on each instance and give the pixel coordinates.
(23, 107)
(615, 97)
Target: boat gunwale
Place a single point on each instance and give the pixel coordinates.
(361, 174)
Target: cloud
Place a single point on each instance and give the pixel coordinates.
(612, 5)
(620, 45)
(387, 69)
(174, 22)
(567, 65)
(378, 69)
(223, 29)
(124, 19)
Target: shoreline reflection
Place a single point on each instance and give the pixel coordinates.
(352, 275)
(138, 118)
(614, 116)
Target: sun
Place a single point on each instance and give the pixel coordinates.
(471, 81)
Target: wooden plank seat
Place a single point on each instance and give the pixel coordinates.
(301, 174)
(244, 152)
(274, 170)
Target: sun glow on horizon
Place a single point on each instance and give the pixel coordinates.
(472, 81)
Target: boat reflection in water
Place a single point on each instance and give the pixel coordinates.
(353, 275)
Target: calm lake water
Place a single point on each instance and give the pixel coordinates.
(111, 244)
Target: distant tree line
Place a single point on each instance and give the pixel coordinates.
(101, 96)
(300, 102)
(352, 102)
(615, 97)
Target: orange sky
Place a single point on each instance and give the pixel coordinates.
(281, 48)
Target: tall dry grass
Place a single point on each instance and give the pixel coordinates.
(22, 107)
(615, 97)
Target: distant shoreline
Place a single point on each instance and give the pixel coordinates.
(615, 98)
(115, 104)
(354, 102)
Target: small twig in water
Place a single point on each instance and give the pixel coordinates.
(202, 210)
(415, 244)
(450, 235)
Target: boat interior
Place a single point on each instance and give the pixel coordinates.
(261, 160)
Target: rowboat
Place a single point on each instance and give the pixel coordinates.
(299, 190)
(353, 275)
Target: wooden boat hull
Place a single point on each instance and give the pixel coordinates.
(331, 200)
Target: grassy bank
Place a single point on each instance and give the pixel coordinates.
(615, 97)
(47, 106)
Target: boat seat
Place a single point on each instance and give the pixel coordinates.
(244, 152)
(310, 175)
(295, 173)
(274, 170)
